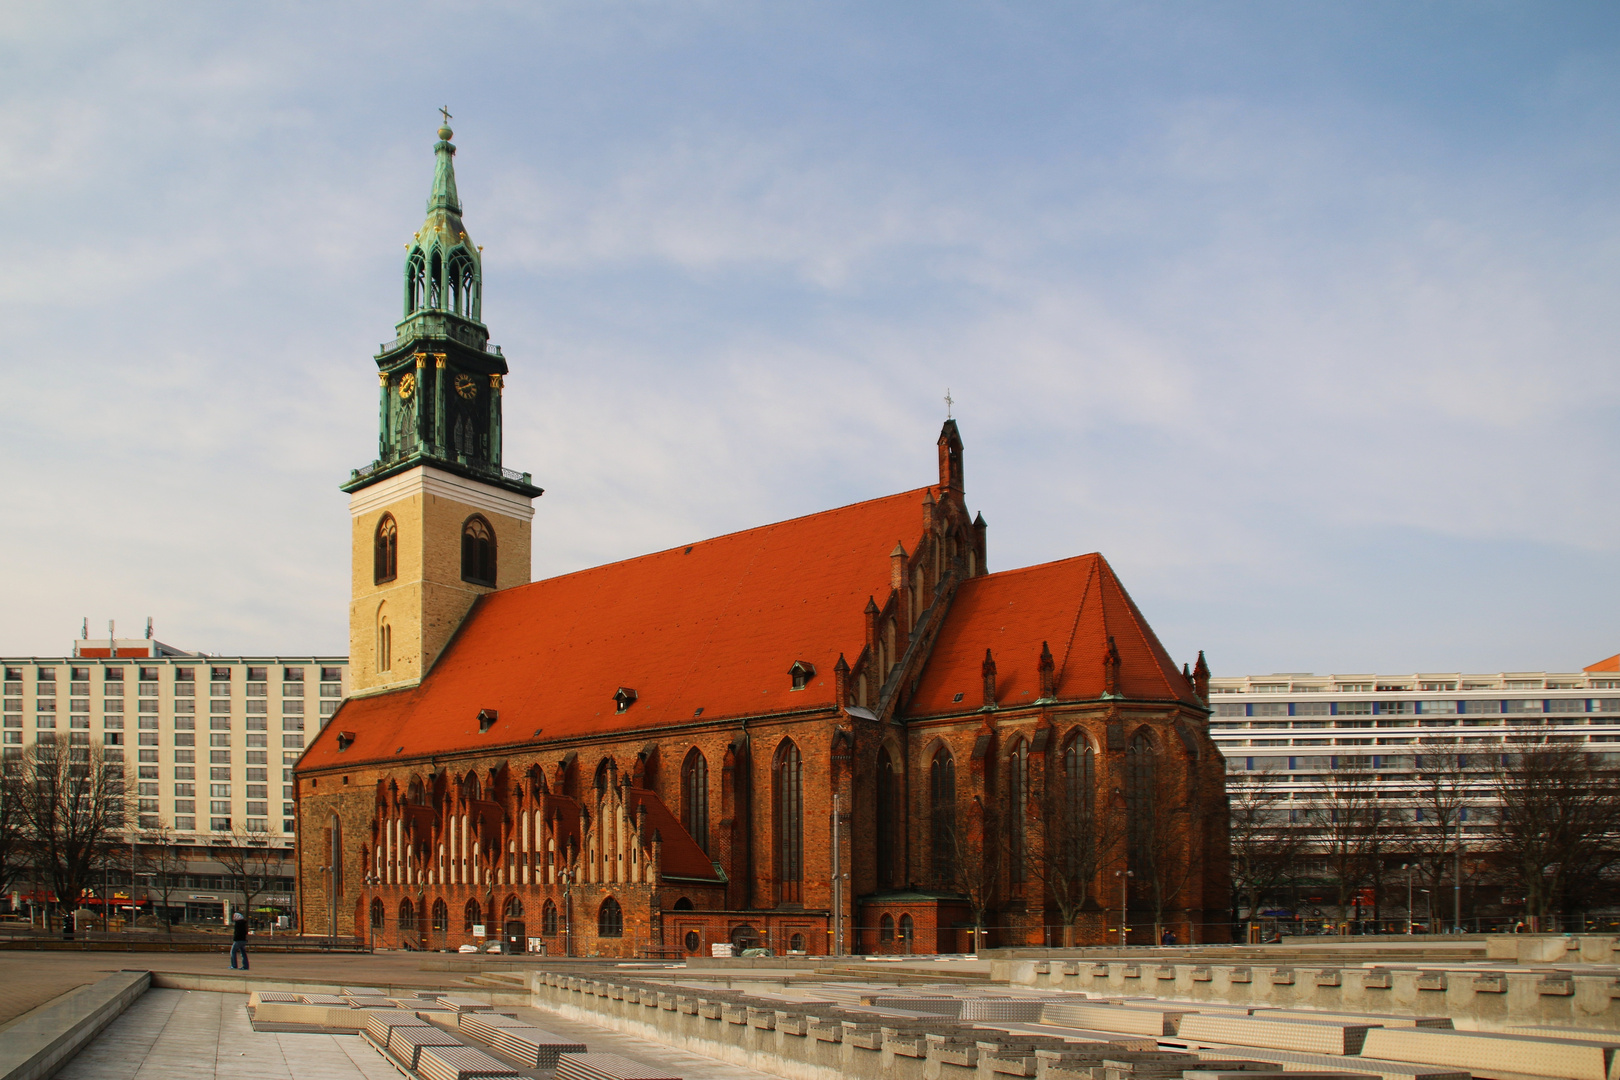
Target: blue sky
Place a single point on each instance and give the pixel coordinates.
(1304, 315)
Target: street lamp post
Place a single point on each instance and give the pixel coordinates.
(1408, 868)
(1124, 904)
(1456, 888)
(567, 875)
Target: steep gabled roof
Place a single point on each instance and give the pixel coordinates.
(681, 855)
(1074, 605)
(711, 626)
(1611, 664)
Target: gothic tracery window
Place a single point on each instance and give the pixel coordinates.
(1079, 799)
(695, 797)
(888, 804)
(1017, 796)
(789, 775)
(1139, 802)
(942, 815)
(477, 551)
(548, 919)
(385, 556)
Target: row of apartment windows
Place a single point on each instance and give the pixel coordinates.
(1377, 762)
(114, 673)
(1425, 687)
(1408, 708)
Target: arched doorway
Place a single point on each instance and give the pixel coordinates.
(512, 926)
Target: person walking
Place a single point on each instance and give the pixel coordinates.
(239, 933)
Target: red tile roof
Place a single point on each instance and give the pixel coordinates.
(1611, 664)
(714, 626)
(681, 855)
(1074, 605)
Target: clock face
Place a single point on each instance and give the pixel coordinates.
(466, 387)
(407, 386)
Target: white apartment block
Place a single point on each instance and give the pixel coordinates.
(210, 741)
(1301, 728)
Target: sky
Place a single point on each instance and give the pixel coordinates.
(1303, 314)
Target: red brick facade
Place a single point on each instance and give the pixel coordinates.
(999, 748)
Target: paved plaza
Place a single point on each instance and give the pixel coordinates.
(199, 1035)
(195, 1035)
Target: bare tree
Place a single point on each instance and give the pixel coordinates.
(1080, 839)
(13, 838)
(978, 858)
(72, 810)
(159, 856)
(1266, 846)
(1556, 821)
(1345, 821)
(248, 860)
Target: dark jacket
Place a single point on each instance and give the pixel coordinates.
(239, 930)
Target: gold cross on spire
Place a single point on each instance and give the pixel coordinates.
(444, 111)
(949, 401)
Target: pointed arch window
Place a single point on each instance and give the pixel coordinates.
(1140, 782)
(1075, 832)
(478, 551)
(435, 295)
(789, 805)
(610, 919)
(548, 919)
(471, 916)
(942, 815)
(385, 639)
(462, 285)
(413, 281)
(385, 551)
(888, 818)
(695, 797)
(407, 917)
(378, 915)
(1017, 798)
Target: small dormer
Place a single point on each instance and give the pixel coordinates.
(486, 719)
(801, 673)
(345, 739)
(623, 698)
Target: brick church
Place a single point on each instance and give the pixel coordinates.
(836, 733)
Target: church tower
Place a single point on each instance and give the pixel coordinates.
(437, 521)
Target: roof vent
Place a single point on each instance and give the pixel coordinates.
(345, 739)
(802, 672)
(486, 719)
(624, 697)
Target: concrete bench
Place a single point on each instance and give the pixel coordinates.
(1125, 1019)
(1495, 1055)
(1311, 1036)
(406, 1043)
(606, 1067)
(460, 1063)
(1443, 1022)
(1385, 1070)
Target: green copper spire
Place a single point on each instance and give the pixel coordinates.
(443, 272)
(443, 196)
(440, 380)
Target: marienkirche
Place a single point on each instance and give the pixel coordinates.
(836, 733)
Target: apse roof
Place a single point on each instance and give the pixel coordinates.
(1074, 606)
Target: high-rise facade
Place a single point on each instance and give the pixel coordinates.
(209, 742)
(1297, 732)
